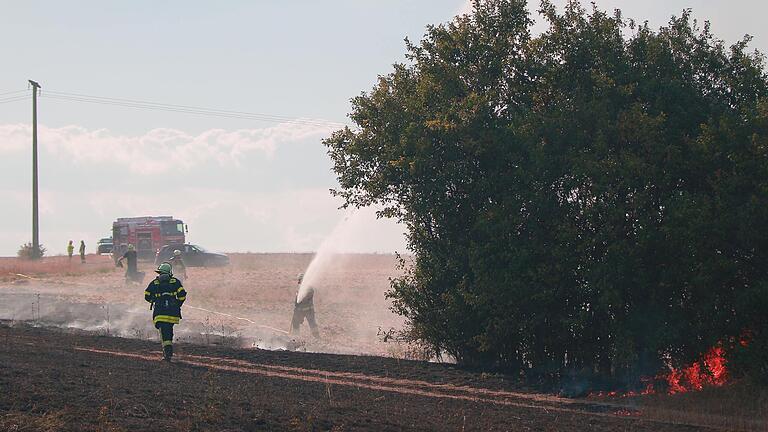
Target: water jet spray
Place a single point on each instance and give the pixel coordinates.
(346, 233)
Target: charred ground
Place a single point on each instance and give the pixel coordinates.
(69, 380)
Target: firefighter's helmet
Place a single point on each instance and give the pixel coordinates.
(164, 268)
(131, 247)
(177, 253)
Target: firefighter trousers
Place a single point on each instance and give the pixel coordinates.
(166, 333)
(298, 318)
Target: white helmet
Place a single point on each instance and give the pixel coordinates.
(177, 253)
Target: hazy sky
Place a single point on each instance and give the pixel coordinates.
(242, 185)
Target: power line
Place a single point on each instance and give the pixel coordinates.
(177, 106)
(13, 99)
(186, 109)
(13, 92)
(197, 112)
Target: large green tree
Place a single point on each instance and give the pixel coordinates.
(591, 198)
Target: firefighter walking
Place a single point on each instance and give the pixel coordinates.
(304, 308)
(166, 295)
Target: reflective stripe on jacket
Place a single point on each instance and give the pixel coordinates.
(167, 294)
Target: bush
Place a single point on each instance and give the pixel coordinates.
(26, 251)
(590, 200)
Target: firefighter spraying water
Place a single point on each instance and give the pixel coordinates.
(166, 295)
(304, 308)
(346, 232)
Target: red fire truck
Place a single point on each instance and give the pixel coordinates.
(147, 233)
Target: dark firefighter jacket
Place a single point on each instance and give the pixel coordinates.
(167, 296)
(130, 256)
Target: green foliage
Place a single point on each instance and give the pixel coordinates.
(591, 199)
(26, 251)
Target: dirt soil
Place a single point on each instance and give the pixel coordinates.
(65, 380)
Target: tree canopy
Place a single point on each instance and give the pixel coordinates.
(591, 198)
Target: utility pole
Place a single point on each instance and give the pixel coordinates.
(35, 226)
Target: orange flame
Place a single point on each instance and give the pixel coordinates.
(696, 377)
(710, 370)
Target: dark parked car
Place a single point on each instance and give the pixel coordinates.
(193, 256)
(104, 246)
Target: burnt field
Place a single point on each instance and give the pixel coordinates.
(78, 352)
(70, 380)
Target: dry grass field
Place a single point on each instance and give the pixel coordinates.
(248, 303)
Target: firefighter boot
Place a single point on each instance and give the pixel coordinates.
(167, 352)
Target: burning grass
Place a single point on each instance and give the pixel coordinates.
(700, 393)
(709, 371)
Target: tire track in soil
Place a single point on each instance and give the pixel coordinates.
(411, 383)
(395, 385)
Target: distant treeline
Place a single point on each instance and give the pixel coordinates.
(593, 199)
